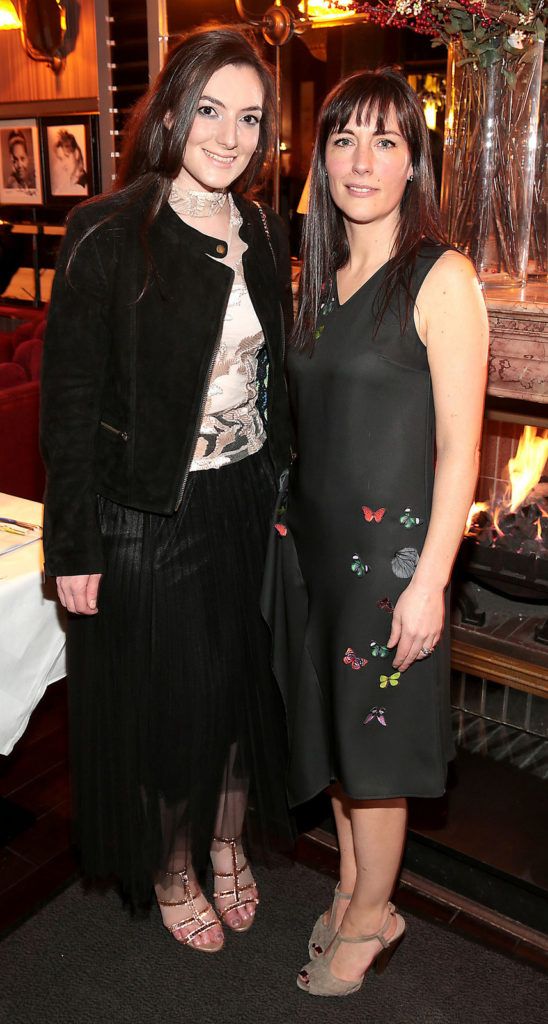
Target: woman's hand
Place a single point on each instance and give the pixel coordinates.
(417, 623)
(79, 593)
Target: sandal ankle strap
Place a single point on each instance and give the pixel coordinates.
(380, 935)
(340, 895)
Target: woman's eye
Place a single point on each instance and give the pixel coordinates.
(207, 111)
(343, 143)
(250, 119)
(386, 143)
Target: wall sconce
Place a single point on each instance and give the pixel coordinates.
(326, 14)
(9, 17)
(43, 28)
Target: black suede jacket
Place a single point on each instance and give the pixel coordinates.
(124, 377)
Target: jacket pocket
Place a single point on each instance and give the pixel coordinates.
(114, 430)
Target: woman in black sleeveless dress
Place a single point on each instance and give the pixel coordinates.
(388, 359)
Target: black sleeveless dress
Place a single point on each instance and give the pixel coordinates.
(344, 548)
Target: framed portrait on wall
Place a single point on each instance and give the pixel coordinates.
(20, 165)
(68, 149)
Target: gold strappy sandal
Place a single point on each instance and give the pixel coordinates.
(237, 891)
(196, 917)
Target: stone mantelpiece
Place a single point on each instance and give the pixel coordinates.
(518, 362)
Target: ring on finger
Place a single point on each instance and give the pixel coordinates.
(427, 651)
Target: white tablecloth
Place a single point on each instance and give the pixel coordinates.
(32, 635)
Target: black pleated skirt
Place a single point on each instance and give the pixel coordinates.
(175, 715)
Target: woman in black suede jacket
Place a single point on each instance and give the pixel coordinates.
(164, 432)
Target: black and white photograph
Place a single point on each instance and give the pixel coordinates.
(20, 174)
(67, 164)
(68, 153)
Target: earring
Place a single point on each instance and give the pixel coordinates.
(410, 178)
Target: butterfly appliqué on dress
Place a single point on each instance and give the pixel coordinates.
(376, 715)
(409, 520)
(372, 516)
(325, 309)
(358, 566)
(379, 650)
(405, 562)
(394, 680)
(353, 659)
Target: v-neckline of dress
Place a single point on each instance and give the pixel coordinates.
(341, 305)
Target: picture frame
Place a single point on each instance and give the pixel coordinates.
(69, 158)
(20, 163)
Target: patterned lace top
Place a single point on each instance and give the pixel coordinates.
(232, 427)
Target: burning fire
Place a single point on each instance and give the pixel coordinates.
(526, 467)
(475, 509)
(512, 520)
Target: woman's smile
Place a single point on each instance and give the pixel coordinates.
(217, 158)
(368, 161)
(225, 131)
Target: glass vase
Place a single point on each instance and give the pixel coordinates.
(538, 245)
(489, 161)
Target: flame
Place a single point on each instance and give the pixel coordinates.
(475, 509)
(498, 511)
(525, 469)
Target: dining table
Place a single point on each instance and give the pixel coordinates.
(32, 624)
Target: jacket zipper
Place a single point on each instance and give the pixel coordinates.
(120, 433)
(203, 399)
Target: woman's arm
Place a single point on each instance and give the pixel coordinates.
(452, 322)
(75, 355)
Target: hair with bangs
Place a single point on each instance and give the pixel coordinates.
(325, 247)
(157, 132)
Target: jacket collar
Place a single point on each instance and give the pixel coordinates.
(259, 268)
(197, 241)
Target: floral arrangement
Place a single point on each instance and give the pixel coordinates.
(489, 30)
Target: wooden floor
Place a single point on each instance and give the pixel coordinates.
(35, 804)
(36, 857)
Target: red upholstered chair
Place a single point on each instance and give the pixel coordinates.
(11, 374)
(35, 364)
(24, 331)
(7, 346)
(25, 352)
(39, 330)
(21, 468)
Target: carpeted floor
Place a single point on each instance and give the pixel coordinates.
(83, 960)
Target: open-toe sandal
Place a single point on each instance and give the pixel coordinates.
(197, 920)
(323, 933)
(240, 895)
(317, 978)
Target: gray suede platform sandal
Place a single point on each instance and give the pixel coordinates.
(322, 933)
(317, 979)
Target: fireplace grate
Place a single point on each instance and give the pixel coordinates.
(498, 742)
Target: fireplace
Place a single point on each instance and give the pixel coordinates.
(500, 619)
(484, 838)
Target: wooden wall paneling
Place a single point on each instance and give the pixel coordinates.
(157, 36)
(23, 80)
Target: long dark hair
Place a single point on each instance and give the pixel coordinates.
(325, 246)
(158, 128)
